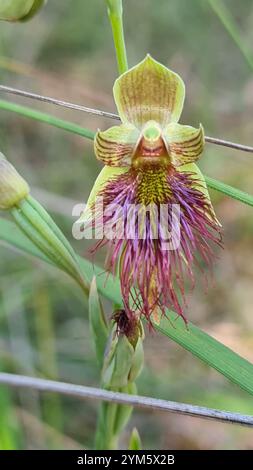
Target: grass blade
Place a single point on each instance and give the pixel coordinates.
(230, 191)
(199, 343)
(224, 15)
(97, 321)
(46, 118)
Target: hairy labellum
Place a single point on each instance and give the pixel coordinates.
(152, 274)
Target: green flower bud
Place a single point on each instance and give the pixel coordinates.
(117, 362)
(37, 4)
(124, 358)
(19, 10)
(36, 223)
(13, 188)
(137, 362)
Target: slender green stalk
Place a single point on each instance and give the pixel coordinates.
(112, 417)
(223, 13)
(230, 191)
(46, 118)
(47, 357)
(9, 438)
(115, 13)
(104, 437)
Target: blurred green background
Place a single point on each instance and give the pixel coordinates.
(66, 52)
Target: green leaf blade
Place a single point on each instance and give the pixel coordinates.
(200, 344)
(98, 326)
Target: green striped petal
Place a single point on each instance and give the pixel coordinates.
(115, 146)
(185, 144)
(149, 91)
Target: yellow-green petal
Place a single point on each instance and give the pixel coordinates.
(200, 184)
(115, 146)
(106, 174)
(185, 144)
(149, 91)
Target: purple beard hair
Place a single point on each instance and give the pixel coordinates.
(151, 277)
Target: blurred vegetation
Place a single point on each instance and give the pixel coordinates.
(67, 52)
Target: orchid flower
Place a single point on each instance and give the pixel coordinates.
(150, 163)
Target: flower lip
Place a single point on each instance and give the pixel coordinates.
(151, 148)
(151, 152)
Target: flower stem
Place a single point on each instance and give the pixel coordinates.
(112, 420)
(115, 13)
(104, 437)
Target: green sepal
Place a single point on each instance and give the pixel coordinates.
(118, 362)
(149, 91)
(123, 361)
(106, 174)
(137, 361)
